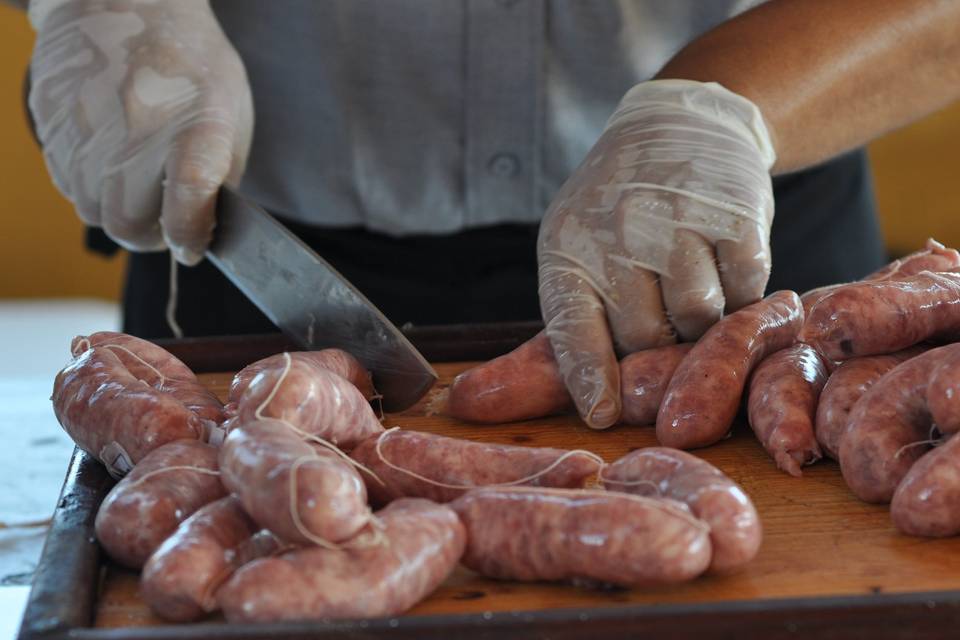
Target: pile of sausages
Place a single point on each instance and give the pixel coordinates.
(293, 502)
(867, 373)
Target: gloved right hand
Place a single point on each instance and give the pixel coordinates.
(143, 109)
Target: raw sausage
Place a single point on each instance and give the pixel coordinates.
(661, 472)
(421, 544)
(336, 361)
(114, 416)
(844, 387)
(181, 578)
(526, 383)
(933, 257)
(426, 465)
(168, 485)
(532, 533)
(702, 398)
(158, 368)
(310, 399)
(644, 377)
(300, 491)
(927, 501)
(888, 428)
(870, 318)
(519, 385)
(782, 405)
(943, 394)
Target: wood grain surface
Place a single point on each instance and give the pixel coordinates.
(819, 540)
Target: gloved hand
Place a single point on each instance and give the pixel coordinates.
(143, 110)
(665, 224)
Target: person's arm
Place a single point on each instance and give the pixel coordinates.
(830, 76)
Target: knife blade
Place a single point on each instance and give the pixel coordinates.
(310, 302)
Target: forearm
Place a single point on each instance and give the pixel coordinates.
(829, 76)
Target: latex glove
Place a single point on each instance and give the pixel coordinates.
(144, 110)
(664, 224)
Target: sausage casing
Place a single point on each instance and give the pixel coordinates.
(114, 416)
(532, 533)
(526, 383)
(661, 472)
(311, 399)
(180, 579)
(523, 384)
(782, 405)
(889, 427)
(927, 500)
(422, 543)
(336, 361)
(462, 464)
(844, 387)
(295, 489)
(943, 394)
(933, 257)
(704, 393)
(150, 502)
(871, 318)
(145, 361)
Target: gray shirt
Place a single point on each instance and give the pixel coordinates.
(434, 116)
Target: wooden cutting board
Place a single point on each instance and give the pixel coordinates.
(819, 540)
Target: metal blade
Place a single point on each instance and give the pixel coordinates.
(312, 303)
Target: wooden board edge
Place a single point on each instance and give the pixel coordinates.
(63, 594)
(440, 343)
(879, 617)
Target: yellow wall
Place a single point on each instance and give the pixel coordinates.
(41, 253)
(41, 240)
(917, 175)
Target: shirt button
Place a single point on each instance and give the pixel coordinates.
(504, 165)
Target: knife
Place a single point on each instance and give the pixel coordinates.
(310, 302)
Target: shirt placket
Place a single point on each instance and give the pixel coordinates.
(502, 103)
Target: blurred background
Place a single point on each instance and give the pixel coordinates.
(41, 247)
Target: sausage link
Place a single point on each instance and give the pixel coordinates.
(644, 377)
(520, 385)
(531, 533)
(180, 580)
(422, 543)
(782, 405)
(311, 399)
(280, 479)
(146, 506)
(526, 383)
(335, 361)
(933, 257)
(661, 472)
(114, 416)
(887, 426)
(462, 464)
(943, 394)
(844, 387)
(145, 360)
(702, 398)
(871, 318)
(927, 500)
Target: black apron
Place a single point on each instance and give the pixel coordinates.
(825, 231)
